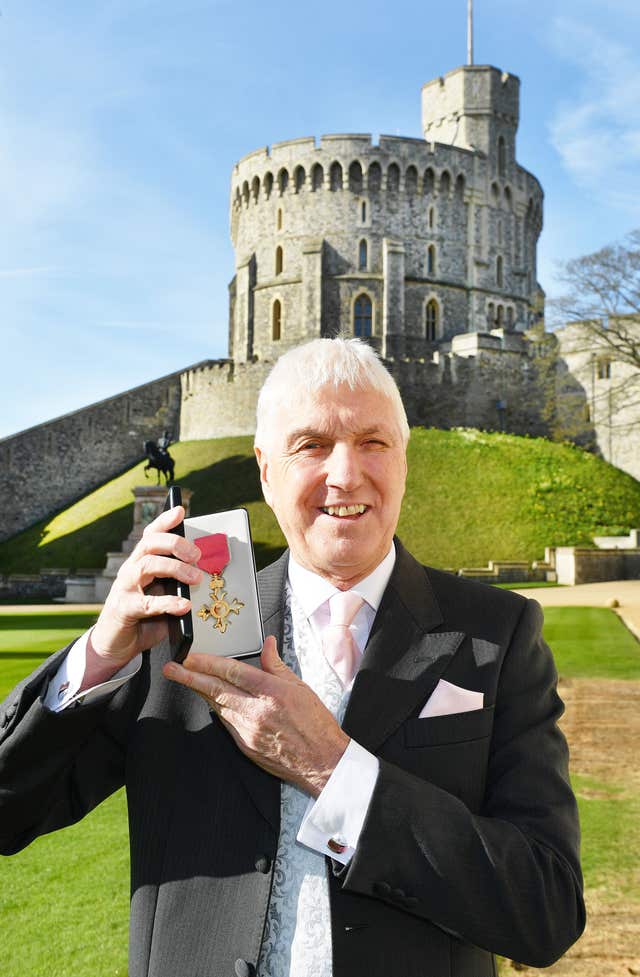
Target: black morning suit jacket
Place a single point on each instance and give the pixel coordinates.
(470, 844)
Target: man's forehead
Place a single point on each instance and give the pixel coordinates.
(364, 410)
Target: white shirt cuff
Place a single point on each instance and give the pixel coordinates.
(333, 822)
(64, 686)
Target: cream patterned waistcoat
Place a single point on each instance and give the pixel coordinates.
(297, 938)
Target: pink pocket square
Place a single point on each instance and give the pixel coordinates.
(447, 699)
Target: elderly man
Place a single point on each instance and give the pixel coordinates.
(386, 796)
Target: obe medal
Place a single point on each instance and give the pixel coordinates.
(215, 557)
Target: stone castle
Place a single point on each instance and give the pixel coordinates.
(426, 248)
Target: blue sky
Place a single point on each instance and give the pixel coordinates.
(120, 122)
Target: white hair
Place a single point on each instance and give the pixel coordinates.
(321, 363)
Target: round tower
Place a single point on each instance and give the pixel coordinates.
(407, 242)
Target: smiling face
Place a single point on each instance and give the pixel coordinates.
(334, 472)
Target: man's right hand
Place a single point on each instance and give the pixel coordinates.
(132, 618)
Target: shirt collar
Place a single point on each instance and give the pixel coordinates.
(312, 590)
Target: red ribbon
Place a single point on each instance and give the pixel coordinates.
(215, 553)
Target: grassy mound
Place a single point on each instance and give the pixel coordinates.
(471, 497)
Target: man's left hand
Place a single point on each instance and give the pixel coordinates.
(274, 717)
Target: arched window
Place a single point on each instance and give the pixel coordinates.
(335, 176)
(431, 260)
(299, 177)
(268, 184)
(245, 193)
(276, 320)
(363, 212)
(445, 183)
(317, 177)
(499, 232)
(507, 197)
(431, 218)
(500, 317)
(279, 260)
(502, 156)
(255, 188)
(460, 189)
(499, 271)
(603, 365)
(495, 194)
(355, 177)
(431, 321)
(362, 255)
(374, 177)
(429, 181)
(491, 315)
(393, 177)
(411, 180)
(283, 180)
(279, 221)
(362, 317)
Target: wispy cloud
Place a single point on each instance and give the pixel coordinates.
(596, 130)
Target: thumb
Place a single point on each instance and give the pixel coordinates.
(272, 662)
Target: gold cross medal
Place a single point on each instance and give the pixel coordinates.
(215, 558)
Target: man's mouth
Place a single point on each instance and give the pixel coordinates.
(344, 510)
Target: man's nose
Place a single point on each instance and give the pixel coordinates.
(343, 467)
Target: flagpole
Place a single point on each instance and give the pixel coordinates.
(469, 31)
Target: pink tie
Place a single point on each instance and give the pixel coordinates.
(338, 645)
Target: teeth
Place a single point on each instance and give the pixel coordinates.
(344, 510)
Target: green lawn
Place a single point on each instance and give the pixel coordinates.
(64, 900)
(591, 642)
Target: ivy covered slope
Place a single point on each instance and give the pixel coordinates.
(471, 497)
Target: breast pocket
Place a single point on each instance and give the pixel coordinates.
(460, 727)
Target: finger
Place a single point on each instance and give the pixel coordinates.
(137, 606)
(165, 521)
(221, 694)
(273, 664)
(167, 544)
(246, 677)
(151, 566)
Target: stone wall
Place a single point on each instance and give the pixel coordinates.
(47, 467)
(575, 565)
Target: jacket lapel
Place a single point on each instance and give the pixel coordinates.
(404, 658)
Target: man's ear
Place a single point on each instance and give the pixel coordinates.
(263, 465)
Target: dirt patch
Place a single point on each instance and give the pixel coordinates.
(602, 725)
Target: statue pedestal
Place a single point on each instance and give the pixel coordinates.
(148, 503)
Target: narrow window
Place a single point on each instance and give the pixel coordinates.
(317, 177)
(502, 156)
(255, 188)
(245, 193)
(362, 318)
(279, 218)
(355, 177)
(362, 255)
(276, 320)
(430, 218)
(363, 212)
(411, 180)
(500, 320)
(431, 260)
(431, 321)
(335, 176)
(374, 177)
(283, 180)
(393, 177)
(499, 271)
(299, 178)
(499, 232)
(604, 368)
(268, 184)
(445, 184)
(491, 314)
(429, 181)
(279, 260)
